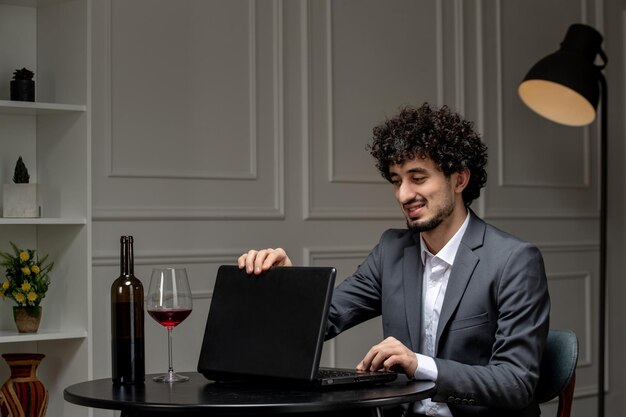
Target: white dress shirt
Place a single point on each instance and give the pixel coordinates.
(435, 281)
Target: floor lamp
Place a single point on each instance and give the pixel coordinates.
(564, 87)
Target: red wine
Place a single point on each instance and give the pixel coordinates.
(127, 351)
(127, 321)
(170, 318)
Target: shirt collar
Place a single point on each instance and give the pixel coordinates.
(448, 252)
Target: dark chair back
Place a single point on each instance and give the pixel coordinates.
(558, 370)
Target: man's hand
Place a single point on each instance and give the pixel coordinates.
(257, 261)
(390, 354)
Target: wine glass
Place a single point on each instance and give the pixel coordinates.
(169, 303)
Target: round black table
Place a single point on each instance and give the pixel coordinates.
(201, 396)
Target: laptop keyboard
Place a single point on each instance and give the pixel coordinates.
(334, 372)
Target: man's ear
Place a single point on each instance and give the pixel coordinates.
(462, 179)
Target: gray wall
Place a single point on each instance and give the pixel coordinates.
(224, 125)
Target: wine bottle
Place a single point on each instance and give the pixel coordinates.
(127, 321)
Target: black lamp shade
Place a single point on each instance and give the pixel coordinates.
(564, 86)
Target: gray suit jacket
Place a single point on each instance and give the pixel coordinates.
(494, 319)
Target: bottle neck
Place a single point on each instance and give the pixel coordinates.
(126, 256)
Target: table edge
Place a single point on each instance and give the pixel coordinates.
(262, 408)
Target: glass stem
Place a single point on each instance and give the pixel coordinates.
(169, 350)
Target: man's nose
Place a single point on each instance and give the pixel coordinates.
(405, 193)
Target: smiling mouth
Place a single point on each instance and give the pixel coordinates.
(414, 209)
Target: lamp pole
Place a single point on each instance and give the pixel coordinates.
(603, 243)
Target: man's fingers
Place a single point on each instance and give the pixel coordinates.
(258, 261)
(264, 261)
(251, 258)
(374, 357)
(390, 354)
(242, 260)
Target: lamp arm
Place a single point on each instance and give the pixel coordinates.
(605, 60)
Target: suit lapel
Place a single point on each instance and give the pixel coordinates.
(462, 270)
(412, 273)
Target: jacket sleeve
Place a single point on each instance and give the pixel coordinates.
(358, 297)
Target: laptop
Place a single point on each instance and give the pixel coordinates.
(271, 327)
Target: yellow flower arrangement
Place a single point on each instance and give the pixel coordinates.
(26, 280)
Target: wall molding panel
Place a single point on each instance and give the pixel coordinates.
(152, 259)
(526, 176)
(313, 255)
(586, 339)
(556, 214)
(504, 180)
(175, 257)
(342, 256)
(347, 193)
(248, 170)
(139, 213)
(257, 163)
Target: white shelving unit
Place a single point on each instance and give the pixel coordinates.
(52, 134)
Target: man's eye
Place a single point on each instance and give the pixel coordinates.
(419, 179)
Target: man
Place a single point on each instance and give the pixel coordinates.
(463, 303)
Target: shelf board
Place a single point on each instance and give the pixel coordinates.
(11, 336)
(42, 220)
(32, 3)
(30, 108)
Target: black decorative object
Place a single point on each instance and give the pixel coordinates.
(20, 175)
(22, 85)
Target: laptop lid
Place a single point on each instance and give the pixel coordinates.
(270, 325)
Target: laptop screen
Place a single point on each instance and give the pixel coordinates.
(268, 325)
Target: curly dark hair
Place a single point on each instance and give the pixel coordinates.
(438, 134)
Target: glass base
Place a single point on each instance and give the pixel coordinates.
(171, 377)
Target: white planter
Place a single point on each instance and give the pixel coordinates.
(20, 200)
